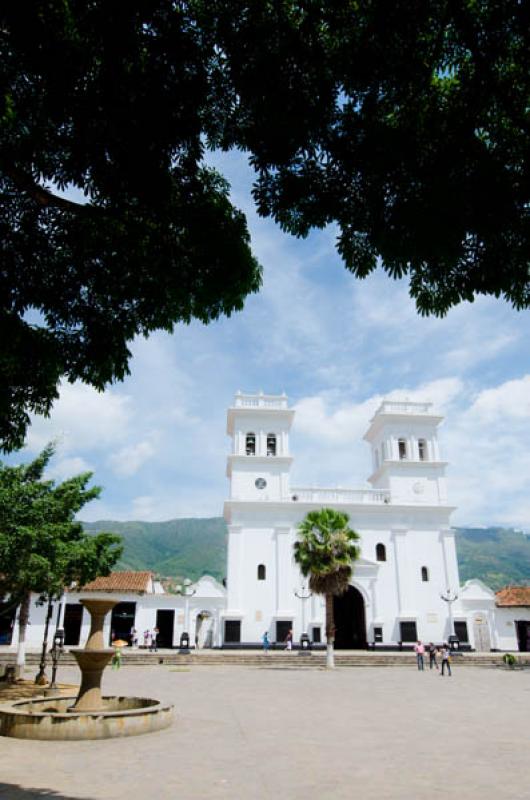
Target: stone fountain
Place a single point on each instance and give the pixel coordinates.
(91, 716)
(93, 658)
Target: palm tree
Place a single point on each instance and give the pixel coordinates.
(325, 552)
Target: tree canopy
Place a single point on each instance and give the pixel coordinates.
(405, 124)
(42, 548)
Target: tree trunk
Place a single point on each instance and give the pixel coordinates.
(23, 620)
(330, 633)
(40, 678)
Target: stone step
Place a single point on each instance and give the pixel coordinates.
(280, 660)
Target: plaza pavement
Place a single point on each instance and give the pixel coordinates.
(375, 733)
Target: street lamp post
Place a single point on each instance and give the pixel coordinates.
(303, 595)
(56, 652)
(186, 592)
(449, 597)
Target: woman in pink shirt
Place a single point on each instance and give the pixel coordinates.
(419, 649)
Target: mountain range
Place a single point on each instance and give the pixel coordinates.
(190, 548)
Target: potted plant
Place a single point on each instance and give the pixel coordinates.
(509, 660)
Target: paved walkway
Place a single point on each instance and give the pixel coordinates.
(264, 734)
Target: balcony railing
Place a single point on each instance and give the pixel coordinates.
(406, 407)
(260, 400)
(340, 496)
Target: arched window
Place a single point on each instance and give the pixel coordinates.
(271, 444)
(250, 447)
(262, 572)
(380, 552)
(402, 449)
(424, 574)
(422, 449)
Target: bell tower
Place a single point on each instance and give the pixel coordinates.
(405, 453)
(259, 464)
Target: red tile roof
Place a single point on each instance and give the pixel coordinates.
(513, 596)
(120, 582)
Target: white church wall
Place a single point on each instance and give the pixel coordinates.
(505, 629)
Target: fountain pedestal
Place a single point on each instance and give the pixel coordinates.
(93, 658)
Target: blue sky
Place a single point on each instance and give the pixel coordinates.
(336, 346)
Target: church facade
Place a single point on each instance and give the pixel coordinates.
(405, 585)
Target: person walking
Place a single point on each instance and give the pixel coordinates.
(419, 649)
(289, 640)
(147, 639)
(446, 659)
(266, 642)
(432, 656)
(154, 641)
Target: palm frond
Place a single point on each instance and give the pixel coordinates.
(326, 550)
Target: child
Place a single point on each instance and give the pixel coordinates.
(446, 659)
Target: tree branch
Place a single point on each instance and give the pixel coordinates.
(41, 195)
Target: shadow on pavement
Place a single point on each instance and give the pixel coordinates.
(11, 791)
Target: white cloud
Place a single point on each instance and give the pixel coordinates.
(317, 422)
(506, 403)
(128, 460)
(442, 393)
(487, 446)
(467, 354)
(67, 467)
(83, 418)
(143, 507)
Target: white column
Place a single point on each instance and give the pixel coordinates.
(62, 601)
(187, 615)
(494, 637)
(218, 628)
(234, 566)
(374, 598)
(284, 572)
(447, 539)
(403, 573)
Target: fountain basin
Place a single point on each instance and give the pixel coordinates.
(50, 718)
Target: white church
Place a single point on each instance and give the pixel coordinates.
(405, 585)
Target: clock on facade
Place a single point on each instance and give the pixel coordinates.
(260, 483)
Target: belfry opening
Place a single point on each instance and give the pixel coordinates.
(350, 622)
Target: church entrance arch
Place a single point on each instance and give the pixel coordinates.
(350, 621)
